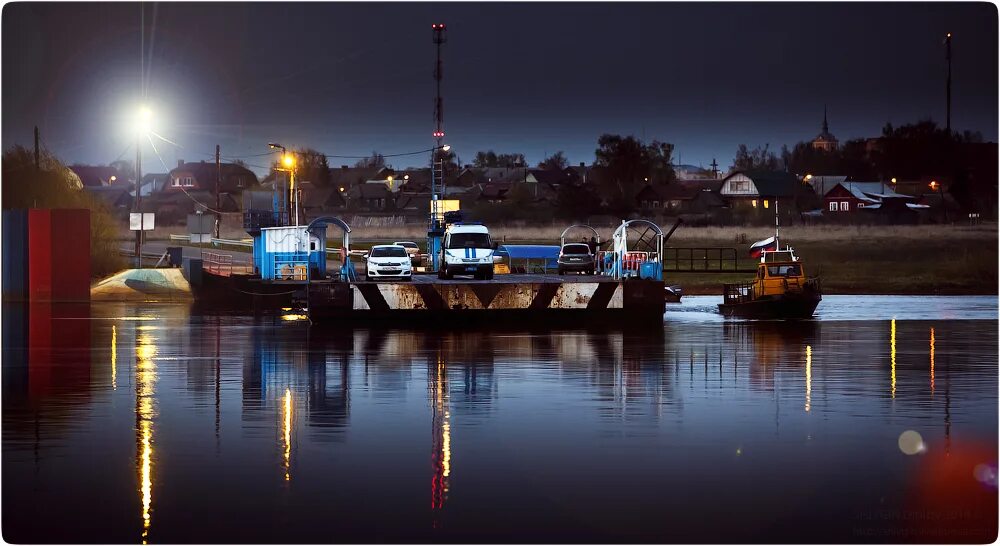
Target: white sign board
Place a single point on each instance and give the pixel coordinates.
(140, 221)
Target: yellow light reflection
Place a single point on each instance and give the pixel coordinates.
(145, 410)
(932, 360)
(287, 429)
(294, 317)
(892, 358)
(809, 375)
(114, 357)
(446, 447)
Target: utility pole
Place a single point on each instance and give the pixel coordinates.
(218, 182)
(36, 148)
(138, 200)
(947, 54)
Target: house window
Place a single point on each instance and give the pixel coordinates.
(766, 203)
(833, 206)
(239, 182)
(656, 204)
(845, 206)
(739, 186)
(754, 203)
(645, 204)
(861, 205)
(183, 181)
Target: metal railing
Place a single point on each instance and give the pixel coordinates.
(222, 264)
(740, 292)
(291, 266)
(703, 259)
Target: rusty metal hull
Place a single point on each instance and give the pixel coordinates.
(533, 299)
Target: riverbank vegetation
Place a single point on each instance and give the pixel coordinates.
(53, 186)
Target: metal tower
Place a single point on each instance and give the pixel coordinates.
(435, 228)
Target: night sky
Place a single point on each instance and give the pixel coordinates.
(347, 79)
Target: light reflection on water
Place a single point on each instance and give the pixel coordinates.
(258, 429)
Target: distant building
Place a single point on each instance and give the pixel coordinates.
(759, 189)
(825, 141)
(203, 176)
(93, 176)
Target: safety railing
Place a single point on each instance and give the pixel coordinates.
(632, 261)
(703, 259)
(222, 264)
(740, 292)
(291, 266)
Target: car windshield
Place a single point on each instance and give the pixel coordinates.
(470, 240)
(388, 252)
(576, 248)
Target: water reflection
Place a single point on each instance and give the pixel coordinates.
(578, 434)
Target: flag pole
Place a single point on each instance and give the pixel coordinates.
(777, 245)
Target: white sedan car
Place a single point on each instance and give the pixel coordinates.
(388, 262)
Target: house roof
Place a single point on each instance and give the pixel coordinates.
(206, 172)
(369, 191)
(773, 183)
(824, 183)
(871, 191)
(322, 197)
(92, 176)
(552, 176)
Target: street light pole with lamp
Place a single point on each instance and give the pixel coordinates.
(288, 161)
(144, 124)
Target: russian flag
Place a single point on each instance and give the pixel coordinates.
(759, 247)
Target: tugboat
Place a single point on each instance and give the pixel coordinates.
(780, 290)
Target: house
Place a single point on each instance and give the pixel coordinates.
(847, 197)
(320, 200)
(94, 176)
(173, 206)
(758, 190)
(552, 177)
(369, 197)
(695, 196)
(152, 183)
(205, 175)
(471, 176)
(116, 199)
(823, 183)
(346, 177)
(825, 141)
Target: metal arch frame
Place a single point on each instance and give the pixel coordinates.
(346, 268)
(620, 240)
(562, 238)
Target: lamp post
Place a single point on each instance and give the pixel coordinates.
(144, 123)
(288, 161)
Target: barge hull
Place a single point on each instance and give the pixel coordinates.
(509, 300)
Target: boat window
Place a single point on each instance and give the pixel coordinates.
(792, 270)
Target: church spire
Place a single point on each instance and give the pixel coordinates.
(826, 127)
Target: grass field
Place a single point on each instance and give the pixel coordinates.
(928, 259)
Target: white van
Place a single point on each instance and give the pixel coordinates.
(467, 249)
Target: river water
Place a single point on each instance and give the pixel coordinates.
(877, 422)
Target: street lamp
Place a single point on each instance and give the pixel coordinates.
(288, 161)
(143, 127)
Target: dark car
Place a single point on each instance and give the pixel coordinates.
(576, 257)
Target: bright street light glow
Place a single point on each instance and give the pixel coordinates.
(144, 121)
(446, 147)
(288, 161)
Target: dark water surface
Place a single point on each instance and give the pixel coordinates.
(132, 423)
